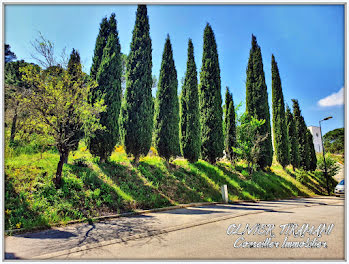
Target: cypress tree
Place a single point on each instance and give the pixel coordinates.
(292, 136)
(281, 143)
(211, 112)
(137, 107)
(166, 122)
(189, 111)
(230, 126)
(74, 65)
(301, 134)
(312, 154)
(101, 42)
(257, 102)
(109, 87)
(75, 71)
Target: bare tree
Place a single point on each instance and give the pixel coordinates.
(45, 53)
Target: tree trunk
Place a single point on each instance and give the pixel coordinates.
(136, 160)
(250, 168)
(13, 127)
(167, 163)
(58, 179)
(65, 161)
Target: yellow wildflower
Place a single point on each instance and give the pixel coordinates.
(119, 148)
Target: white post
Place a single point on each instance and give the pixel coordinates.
(224, 190)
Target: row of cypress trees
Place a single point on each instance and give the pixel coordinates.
(293, 142)
(175, 123)
(191, 125)
(303, 154)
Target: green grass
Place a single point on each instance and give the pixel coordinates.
(92, 189)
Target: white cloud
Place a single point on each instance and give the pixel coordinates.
(333, 99)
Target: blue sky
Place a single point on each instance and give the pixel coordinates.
(306, 40)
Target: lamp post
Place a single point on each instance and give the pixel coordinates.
(323, 154)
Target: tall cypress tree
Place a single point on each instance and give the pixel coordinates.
(189, 111)
(230, 126)
(166, 122)
(211, 112)
(257, 101)
(74, 65)
(292, 136)
(109, 88)
(312, 154)
(301, 134)
(101, 42)
(75, 71)
(137, 107)
(281, 142)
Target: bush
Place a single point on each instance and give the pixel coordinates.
(302, 176)
(331, 165)
(332, 169)
(80, 162)
(245, 173)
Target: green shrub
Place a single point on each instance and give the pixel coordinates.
(302, 176)
(245, 173)
(80, 162)
(331, 165)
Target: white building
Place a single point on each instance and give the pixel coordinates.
(315, 131)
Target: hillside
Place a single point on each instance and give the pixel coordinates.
(91, 189)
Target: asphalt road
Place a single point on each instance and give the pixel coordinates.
(204, 232)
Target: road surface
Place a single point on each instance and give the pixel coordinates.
(204, 232)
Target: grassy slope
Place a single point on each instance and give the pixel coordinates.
(337, 157)
(92, 189)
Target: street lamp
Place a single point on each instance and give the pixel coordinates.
(323, 154)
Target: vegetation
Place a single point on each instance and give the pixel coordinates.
(301, 135)
(292, 136)
(249, 141)
(9, 55)
(15, 89)
(312, 154)
(229, 125)
(101, 42)
(332, 168)
(257, 102)
(211, 113)
(336, 157)
(108, 78)
(281, 142)
(55, 109)
(334, 141)
(137, 108)
(91, 189)
(166, 122)
(189, 127)
(59, 108)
